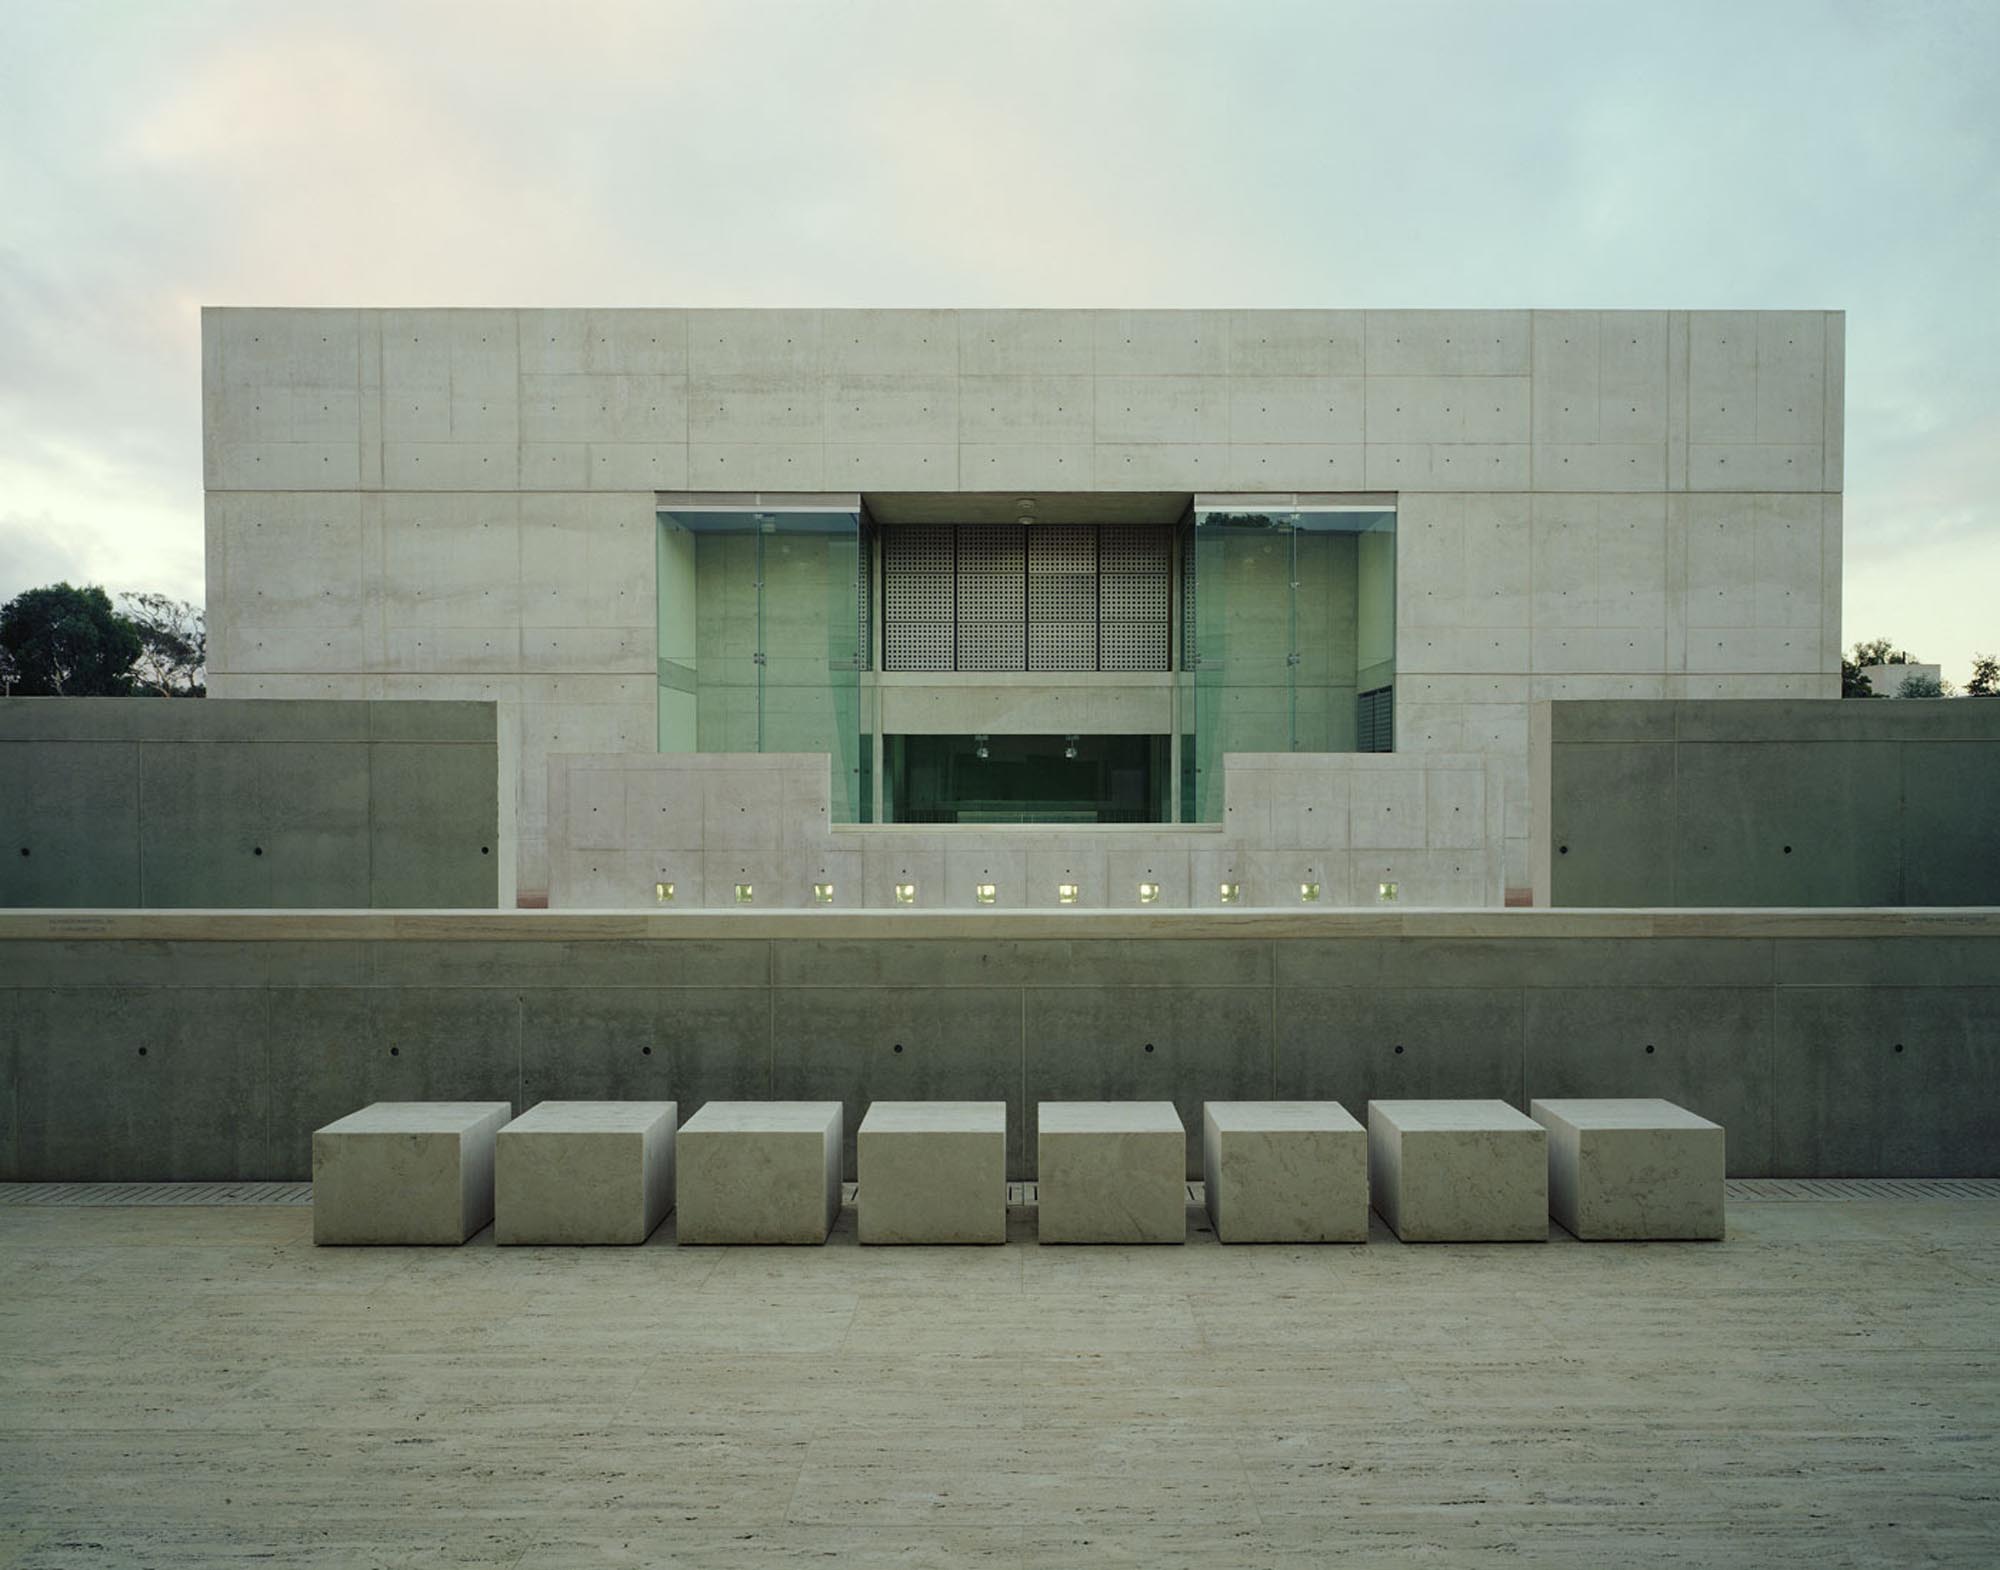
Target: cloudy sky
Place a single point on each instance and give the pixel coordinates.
(157, 156)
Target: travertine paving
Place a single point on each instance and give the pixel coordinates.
(203, 1387)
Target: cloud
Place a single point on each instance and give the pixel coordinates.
(874, 152)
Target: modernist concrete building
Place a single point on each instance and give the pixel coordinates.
(1023, 607)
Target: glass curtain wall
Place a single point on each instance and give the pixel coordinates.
(1288, 619)
(764, 636)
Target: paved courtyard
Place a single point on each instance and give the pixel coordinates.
(201, 1386)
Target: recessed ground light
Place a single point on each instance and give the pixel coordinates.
(822, 893)
(1309, 893)
(984, 893)
(745, 893)
(1229, 893)
(663, 893)
(1066, 893)
(906, 893)
(1386, 893)
(1149, 894)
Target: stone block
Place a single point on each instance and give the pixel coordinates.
(406, 1172)
(1111, 1172)
(1633, 1167)
(932, 1172)
(584, 1172)
(1458, 1171)
(759, 1172)
(1285, 1172)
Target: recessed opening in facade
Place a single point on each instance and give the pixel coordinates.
(1026, 658)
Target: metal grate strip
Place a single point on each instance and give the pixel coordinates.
(97, 1194)
(1850, 1189)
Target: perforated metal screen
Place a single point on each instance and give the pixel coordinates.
(917, 599)
(1135, 592)
(992, 598)
(1004, 597)
(1062, 598)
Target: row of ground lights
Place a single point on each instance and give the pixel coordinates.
(1066, 893)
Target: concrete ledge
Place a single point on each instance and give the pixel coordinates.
(406, 1172)
(1111, 1172)
(1458, 1171)
(1633, 1168)
(1285, 1172)
(584, 1172)
(541, 926)
(932, 1172)
(759, 1172)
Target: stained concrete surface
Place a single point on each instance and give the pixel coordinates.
(190, 1387)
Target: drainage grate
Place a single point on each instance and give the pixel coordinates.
(1740, 1189)
(155, 1193)
(1864, 1188)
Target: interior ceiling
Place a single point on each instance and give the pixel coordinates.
(1152, 507)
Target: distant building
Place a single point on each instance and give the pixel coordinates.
(1886, 681)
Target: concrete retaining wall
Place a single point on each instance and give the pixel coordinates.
(221, 804)
(1767, 803)
(159, 1047)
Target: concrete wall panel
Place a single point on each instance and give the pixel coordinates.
(221, 804)
(1854, 1044)
(1771, 803)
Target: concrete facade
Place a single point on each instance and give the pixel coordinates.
(437, 503)
(1342, 824)
(1774, 803)
(219, 804)
(1828, 1043)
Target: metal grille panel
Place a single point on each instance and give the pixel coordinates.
(992, 598)
(917, 599)
(1375, 720)
(1135, 588)
(1062, 598)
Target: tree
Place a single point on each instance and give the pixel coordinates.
(1985, 681)
(1880, 651)
(68, 642)
(1921, 686)
(173, 637)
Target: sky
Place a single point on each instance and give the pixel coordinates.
(159, 156)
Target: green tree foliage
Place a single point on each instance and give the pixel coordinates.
(68, 642)
(1923, 687)
(173, 655)
(1985, 681)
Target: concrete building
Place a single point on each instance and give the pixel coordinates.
(1077, 607)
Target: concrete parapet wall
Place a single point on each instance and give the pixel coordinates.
(164, 1047)
(236, 804)
(1768, 803)
(1431, 824)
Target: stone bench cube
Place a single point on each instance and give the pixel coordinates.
(1285, 1172)
(584, 1172)
(1632, 1169)
(758, 1172)
(406, 1172)
(1459, 1171)
(932, 1172)
(1111, 1172)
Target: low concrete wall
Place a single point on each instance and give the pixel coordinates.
(1837, 1043)
(1767, 803)
(219, 803)
(1432, 824)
